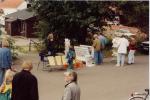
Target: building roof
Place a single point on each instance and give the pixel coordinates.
(10, 20)
(22, 14)
(11, 3)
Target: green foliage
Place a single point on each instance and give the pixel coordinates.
(13, 48)
(42, 29)
(136, 14)
(68, 18)
(38, 47)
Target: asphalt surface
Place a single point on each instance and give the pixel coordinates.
(104, 82)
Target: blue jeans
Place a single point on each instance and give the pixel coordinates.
(97, 57)
(131, 56)
(2, 73)
(102, 56)
(120, 59)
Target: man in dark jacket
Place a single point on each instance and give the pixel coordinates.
(50, 44)
(24, 84)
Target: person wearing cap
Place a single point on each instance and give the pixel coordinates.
(24, 84)
(122, 50)
(97, 50)
(5, 59)
(72, 89)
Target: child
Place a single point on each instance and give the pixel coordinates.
(70, 57)
(6, 87)
(132, 49)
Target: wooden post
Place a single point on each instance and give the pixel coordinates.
(30, 45)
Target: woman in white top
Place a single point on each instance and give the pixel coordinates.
(122, 50)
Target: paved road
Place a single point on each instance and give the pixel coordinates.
(104, 82)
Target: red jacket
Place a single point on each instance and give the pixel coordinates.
(132, 46)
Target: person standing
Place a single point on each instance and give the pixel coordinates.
(24, 84)
(115, 45)
(122, 50)
(67, 45)
(5, 60)
(6, 87)
(72, 89)
(50, 44)
(103, 41)
(97, 50)
(132, 49)
(70, 57)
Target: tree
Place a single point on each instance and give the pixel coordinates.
(72, 18)
(135, 14)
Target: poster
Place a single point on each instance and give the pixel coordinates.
(84, 53)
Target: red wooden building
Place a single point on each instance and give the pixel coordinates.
(21, 23)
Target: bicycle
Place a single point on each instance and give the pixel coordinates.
(140, 96)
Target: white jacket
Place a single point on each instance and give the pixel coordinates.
(116, 42)
(123, 44)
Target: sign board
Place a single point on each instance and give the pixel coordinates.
(91, 49)
(83, 53)
(89, 61)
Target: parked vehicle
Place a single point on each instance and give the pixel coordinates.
(144, 47)
(140, 96)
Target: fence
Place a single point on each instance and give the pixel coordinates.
(32, 42)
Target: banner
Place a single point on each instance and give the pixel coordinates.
(84, 53)
(81, 52)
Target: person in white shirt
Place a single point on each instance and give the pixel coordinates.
(122, 50)
(115, 43)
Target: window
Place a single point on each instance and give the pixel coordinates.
(23, 27)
